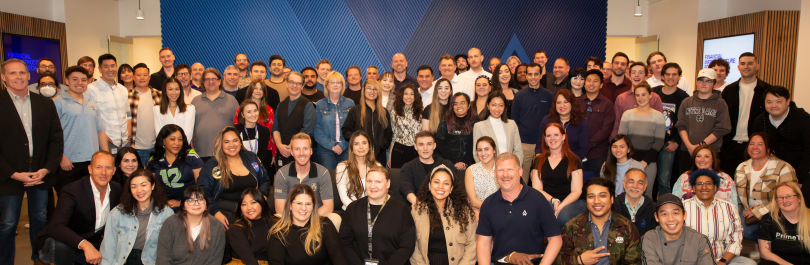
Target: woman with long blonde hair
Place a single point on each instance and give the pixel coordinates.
(233, 170)
(301, 236)
(784, 233)
(351, 174)
(370, 116)
(435, 112)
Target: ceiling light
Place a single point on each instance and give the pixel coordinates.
(638, 9)
(139, 14)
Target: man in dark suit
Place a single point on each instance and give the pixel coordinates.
(78, 222)
(31, 146)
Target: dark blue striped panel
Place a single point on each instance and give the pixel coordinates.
(366, 32)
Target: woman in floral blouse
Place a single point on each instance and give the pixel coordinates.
(406, 121)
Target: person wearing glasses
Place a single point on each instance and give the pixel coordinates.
(297, 114)
(725, 228)
(599, 116)
(302, 236)
(370, 116)
(184, 76)
(45, 66)
(671, 99)
(192, 236)
(783, 237)
(241, 62)
(703, 118)
(332, 112)
(215, 110)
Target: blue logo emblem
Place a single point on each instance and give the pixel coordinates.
(255, 166)
(643, 223)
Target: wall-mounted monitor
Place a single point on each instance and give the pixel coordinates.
(728, 48)
(30, 50)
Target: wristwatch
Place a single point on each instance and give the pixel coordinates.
(702, 142)
(723, 261)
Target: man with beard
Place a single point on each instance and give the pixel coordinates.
(671, 242)
(400, 65)
(600, 236)
(241, 61)
(276, 71)
(157, 79)
(310, 80)
(633, 204)
(297, 115)
(725, 231)
(46, 66)
(461, 63)
(617, 83)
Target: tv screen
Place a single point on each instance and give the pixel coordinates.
(729, 49)
(30, 50)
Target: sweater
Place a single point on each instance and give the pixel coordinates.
(646, 133)
(702, 117)
(173, 247)
(293, 252)
(645, 216)
(696, 248)
(249, 244)
(393, 236)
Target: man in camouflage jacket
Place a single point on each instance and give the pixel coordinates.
(623, 242)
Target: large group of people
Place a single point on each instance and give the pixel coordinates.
(505, 164)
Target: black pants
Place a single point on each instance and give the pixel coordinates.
(401, 154)
(134, 257)
(732, 155)
(63, 178)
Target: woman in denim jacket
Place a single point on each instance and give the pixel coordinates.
(332, 148)
(233, 170)
(132, 230)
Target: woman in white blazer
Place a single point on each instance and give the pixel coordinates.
(504, 131)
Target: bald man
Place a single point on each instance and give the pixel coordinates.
(400, 66)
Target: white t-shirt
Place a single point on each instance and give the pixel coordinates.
(756, 177)
(145, 131)
(196, 231)
(746, 97)
(467, 80)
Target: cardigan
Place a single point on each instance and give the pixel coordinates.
(173, 247)
(293, 252)
(776, 171)
(510, 130)
(461, 247)
(393, 237)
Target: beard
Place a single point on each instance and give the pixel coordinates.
(464, 69)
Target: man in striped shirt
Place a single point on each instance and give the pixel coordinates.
(719, 220)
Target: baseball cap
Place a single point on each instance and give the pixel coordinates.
(707, 72)
(668, 198)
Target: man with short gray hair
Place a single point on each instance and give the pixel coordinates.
(231, 80)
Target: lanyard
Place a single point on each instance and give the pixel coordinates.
(253, 148)
(371, 222)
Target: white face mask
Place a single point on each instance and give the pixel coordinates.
(47, 91)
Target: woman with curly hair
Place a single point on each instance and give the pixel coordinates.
(391, 226)
(406, 121)
(443, 216)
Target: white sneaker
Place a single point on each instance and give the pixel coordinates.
(754, 255)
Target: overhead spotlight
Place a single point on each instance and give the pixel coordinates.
(139, 13)
(638, 9)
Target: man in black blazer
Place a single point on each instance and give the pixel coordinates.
(413, 172)
(77, 225)
(31, 145)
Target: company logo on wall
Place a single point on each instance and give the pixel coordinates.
(366, 32)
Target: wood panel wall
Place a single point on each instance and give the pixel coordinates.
(775, 44)
(35, 27)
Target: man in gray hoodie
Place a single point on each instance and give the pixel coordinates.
(671, 242)
(702, 118)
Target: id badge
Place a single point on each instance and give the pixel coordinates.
(113, 150)
(279, 162)
(372, 262)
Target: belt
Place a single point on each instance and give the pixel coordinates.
(30, 160)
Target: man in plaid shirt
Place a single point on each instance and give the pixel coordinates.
(143, 99)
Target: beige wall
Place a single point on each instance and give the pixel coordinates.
(801, 93)
(88, 23)
(145, 50)
(675, 24)
(620, 44)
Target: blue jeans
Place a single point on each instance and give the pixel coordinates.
(329, 159)
(570, 211)
(665, 161)
(144, 154)
(749, 231)
(10, 207)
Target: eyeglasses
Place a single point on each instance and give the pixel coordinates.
(183, 74)
(707, 183)
(303, 204)
(47, 66)
(195, 201)
(44, 84)
(371, 89)
(295, 83)
(241, 60)
(785, 198)
(211, 80)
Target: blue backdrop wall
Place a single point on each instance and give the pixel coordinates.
(370, 32)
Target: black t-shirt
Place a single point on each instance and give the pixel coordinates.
(315, 97)
(353, 95)
(237, 185)
(788, 245)
(672, 103)
(437, 244)
(426, 112)
(555, 180)
(428, 169)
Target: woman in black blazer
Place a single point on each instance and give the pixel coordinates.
(393, 235)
